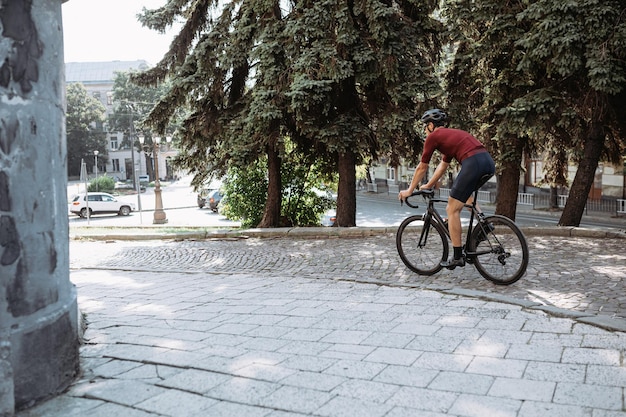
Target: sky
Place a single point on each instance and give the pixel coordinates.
(108, 30)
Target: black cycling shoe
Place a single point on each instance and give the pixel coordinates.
(453, 263)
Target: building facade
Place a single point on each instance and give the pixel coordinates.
(610, 180)
(122, 160)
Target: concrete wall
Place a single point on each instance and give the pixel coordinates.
(38, 311)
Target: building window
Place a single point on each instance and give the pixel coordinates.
(114, 143)
(116, 165)
(391, 173)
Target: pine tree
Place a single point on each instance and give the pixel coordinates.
(341, 78)
(481, 82)
(541, 76)
(579, 49)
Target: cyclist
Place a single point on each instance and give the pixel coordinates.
(475, 162)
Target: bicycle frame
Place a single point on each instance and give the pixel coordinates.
(432, 212)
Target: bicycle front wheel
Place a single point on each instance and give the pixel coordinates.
(501, 255)
(421, 248)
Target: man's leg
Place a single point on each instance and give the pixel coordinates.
(453, 209)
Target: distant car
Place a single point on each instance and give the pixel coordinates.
(99, 203)
(209, 198)
(207, 188)
(128, 188)
(214, 199)
(329, 218)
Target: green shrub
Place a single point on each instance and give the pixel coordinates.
(245, 191)
(104, 184)
(305, 198)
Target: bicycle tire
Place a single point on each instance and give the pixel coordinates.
(423, 259)
(502, 258)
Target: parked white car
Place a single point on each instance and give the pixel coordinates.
(99, 203)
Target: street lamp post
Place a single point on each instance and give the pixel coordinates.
(159, 214)
(96, 155)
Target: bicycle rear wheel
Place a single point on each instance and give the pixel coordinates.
(501, 257)
(421, 248)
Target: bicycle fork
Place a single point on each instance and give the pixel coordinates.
(425, 230)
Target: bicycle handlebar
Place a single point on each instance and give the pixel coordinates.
(428, 193)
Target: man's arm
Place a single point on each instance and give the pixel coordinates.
(439, 171)
(420, 171)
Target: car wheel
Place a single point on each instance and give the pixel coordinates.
(124, 211)
(83, 212)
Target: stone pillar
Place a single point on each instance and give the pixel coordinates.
(38, 310)
(7, 397)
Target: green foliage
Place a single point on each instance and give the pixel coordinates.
(577, 51)
(535, 69)
(245, 191)
(102, 183)
(584, 38)
(336, 76)
(542, 76)
(305, 195)
(84, 111)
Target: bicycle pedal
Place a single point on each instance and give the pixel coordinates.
(453, 263)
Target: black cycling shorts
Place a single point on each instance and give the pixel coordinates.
(472, 170)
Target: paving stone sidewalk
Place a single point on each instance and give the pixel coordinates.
(338, 327)
(579, 275)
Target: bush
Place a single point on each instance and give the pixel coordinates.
(103, 184)
(304, 197)
(245, 192)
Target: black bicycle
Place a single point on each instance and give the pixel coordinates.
(494, 244)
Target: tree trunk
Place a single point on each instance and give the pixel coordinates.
(508, 181)
(346, 192)
(271, 214)
(554, 198)
(506, 198)
(583, 180)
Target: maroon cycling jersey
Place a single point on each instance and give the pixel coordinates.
(452, 143)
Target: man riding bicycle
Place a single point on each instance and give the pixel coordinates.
(475, 163)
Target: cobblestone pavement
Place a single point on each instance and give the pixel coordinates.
(284, 327)
(580, 275)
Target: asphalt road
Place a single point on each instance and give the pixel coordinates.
(373, 210)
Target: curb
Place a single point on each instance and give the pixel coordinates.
(181, 233)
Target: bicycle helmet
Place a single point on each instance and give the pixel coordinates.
(436, 116)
